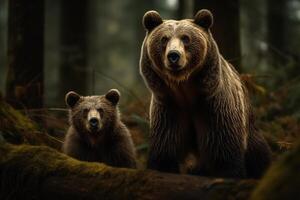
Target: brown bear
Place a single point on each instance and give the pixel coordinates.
(96, 132)
(200, 112)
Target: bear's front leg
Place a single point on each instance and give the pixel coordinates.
(165, 138)
(73, 145)
(225, 160)
(231, 168)
(258, 155)
(121, 155)
(162, 161)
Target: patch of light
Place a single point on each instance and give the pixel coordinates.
(172, 3)
(263, 46)
(298, 14)
(294, 7)
(294, 4)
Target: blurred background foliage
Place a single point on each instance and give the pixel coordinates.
(92, 46)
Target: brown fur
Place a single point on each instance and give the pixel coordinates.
(110, 144)
(201, 111)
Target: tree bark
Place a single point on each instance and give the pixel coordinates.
(25, 53)
(73, 75)
(43, 173)
(226, 27)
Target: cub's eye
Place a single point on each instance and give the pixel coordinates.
(185, 39)
(100, 110)
(164, 40)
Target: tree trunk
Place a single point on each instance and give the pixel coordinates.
(181, 8)
(25, 53)
(276, 30)
(139, 9)
(226, 27)
(3, 42)
(185, 9)
(73, 75)
(43, 173)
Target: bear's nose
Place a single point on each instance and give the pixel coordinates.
(173, 56)
(94, 122)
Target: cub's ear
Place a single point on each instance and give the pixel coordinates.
(204, 18)
(72, 98)
(151, 20)
(113, 96)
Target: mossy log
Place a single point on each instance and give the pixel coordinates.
(39, 172)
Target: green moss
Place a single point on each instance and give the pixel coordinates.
(230, 189)
(39, 172)
(282, 181)
(14, 124)
(23, 169)
(16, 128)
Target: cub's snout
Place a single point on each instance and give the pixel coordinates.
(94, 120)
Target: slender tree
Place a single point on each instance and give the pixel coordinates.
(25, 53)
(73, 73)
(3, 43)
(253, 32)
(276, 31)
(140, 8)
(185, 9)
(181, 8)
(226, 28)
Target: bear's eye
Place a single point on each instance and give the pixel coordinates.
(100, 110)
(164, 40)
(185, 39)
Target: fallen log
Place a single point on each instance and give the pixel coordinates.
(40, 172)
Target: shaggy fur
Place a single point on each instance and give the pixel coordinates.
(201, 111)
(110, 144)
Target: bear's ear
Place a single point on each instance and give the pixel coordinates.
(204, 18)
(151, 20)
(72, 98)
(113, 96)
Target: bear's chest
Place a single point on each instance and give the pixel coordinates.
(190, 104)
(187, 96)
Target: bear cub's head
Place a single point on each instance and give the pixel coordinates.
(91, 115)
(177, 48)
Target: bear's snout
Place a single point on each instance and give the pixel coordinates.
(173, 56)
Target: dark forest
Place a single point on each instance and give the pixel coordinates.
(51, 47)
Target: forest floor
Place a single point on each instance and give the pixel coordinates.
(48, 126)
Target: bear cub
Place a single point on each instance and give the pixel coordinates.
(96, 133)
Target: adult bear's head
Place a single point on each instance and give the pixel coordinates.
(178, 48)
